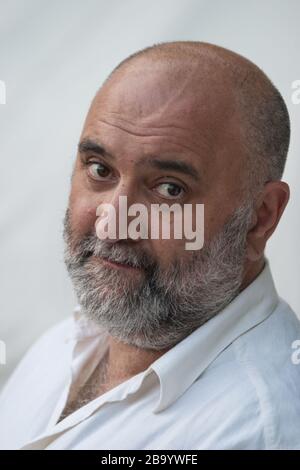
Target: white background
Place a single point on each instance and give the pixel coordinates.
(53, 56)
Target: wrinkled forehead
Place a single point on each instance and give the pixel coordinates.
(161, 92)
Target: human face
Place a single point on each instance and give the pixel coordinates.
(140, 142)
(143, 140)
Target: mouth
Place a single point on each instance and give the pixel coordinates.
(118, 265)
(90, 255)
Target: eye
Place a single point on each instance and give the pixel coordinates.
(170, 190)
(98, 170)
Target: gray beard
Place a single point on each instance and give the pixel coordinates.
(160, 308)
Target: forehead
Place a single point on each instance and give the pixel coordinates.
(155, 92)
(178, 109)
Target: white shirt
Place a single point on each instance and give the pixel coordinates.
(231, 384)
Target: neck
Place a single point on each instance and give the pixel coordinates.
(252, 270)
(125, 360)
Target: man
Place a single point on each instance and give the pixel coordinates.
(170, 348)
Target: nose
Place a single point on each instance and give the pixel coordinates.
(112, 223)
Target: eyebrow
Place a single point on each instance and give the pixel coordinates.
(174, 165)
(88, 145)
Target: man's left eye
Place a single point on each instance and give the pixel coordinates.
(170, 190)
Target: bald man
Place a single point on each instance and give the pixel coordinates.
(170, 348)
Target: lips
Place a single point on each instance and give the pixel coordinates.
(119, 265)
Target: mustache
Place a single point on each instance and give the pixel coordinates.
(122, 251)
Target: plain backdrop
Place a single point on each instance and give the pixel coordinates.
(54, 55)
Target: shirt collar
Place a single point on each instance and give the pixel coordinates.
(189, 358)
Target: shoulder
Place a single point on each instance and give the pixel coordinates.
(248, 398)
(47, 350)
(265, 355)
(35, 386)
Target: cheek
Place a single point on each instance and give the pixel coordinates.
(83, 213)
(215, 215)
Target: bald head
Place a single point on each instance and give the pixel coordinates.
(257, 106)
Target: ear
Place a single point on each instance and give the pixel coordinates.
(268, 211)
